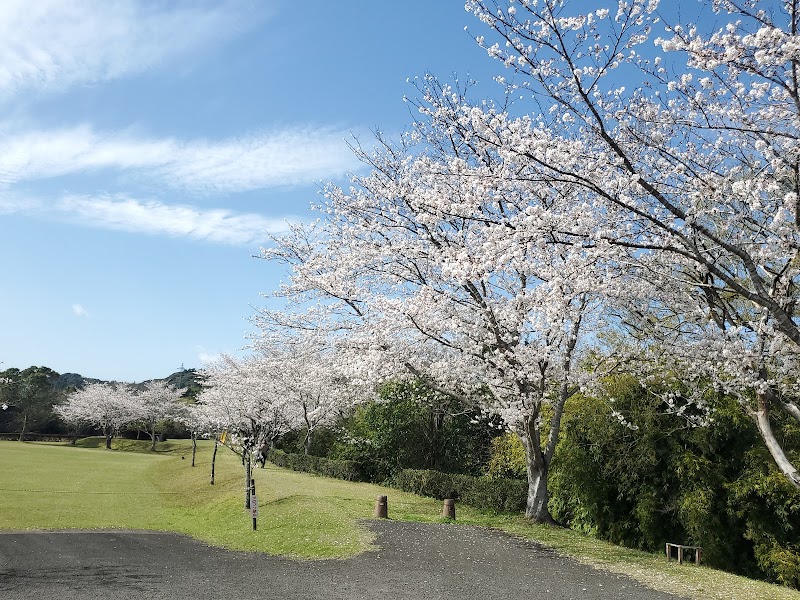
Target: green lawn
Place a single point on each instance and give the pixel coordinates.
(53, 486)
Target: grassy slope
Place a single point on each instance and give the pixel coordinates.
(48, 486)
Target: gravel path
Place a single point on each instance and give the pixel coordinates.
(413, 561)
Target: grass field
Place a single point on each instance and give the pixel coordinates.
(57, 486)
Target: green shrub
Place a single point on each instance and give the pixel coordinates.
(415, 427)
(783, 562)
(507, 459)
(502, 495)
(348, 470)
(715, 487)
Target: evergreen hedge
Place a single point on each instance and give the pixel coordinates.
(349, 470)
(502, 495)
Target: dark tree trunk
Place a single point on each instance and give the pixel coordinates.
(214, 458)
(194, 446)
(247, 475)
(24, 425)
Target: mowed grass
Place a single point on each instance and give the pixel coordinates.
(50, 486)
(57, 486)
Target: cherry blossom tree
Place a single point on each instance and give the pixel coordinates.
(156, 403)
(240, 396)
(450, 267)
(304, 370)
(201, 420)
(485, 250)
(107, 406)
(685, 146)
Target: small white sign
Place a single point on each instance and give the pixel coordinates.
(254, 507)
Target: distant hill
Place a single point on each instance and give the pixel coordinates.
(73, 381)
(185, 378)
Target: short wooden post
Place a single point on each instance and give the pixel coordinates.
(382, 507)
(449, 509)
(680, 555)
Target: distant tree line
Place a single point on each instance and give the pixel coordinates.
(28, 397)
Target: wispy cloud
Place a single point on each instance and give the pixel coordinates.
(10, 204)
(127, 214)
(207, 358)
(282, 158)
(289, 157)
(79, 311)
(52, 44)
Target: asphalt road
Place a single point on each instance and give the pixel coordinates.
(413, 562)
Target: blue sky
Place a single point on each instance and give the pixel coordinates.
(146, 148)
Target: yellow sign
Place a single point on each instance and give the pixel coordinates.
(224, 435)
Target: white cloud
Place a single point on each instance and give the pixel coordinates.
(10, 204)
(206, 358)
(283, 158)
(127, 214)
(79, 311)
(52, 44)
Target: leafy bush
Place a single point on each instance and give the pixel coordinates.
(502, 495)
(348, 470)
(781, 561)
(507, 459)
(321, 442)
(715, 486)
(415, 427)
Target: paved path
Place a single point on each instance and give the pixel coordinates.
(413, 562)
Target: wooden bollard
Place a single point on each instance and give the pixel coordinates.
(449, 509)
(382, 507)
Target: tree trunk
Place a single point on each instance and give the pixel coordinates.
(108, 441)
(537, 506)
(247, 475)
(214, 458)
(537, 466)
(309, 430)
(792, 410)
(153, 445)
(194, 446)
(436, 422)
(761, 417)
(24, 425)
